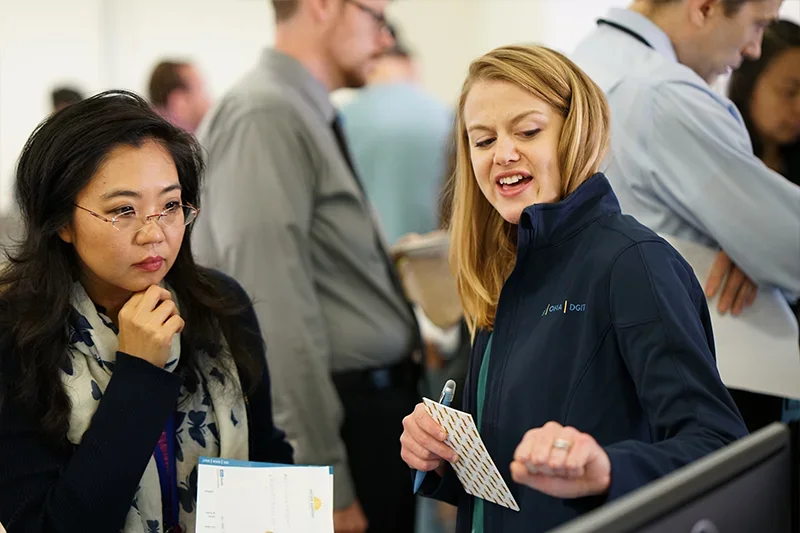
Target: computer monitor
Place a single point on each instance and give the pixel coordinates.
(745, 487)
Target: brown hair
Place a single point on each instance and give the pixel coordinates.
(165, 79)
(779, 37)
(284, 9)
(483, 245)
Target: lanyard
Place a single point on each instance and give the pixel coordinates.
(169, 479)
(623, 29)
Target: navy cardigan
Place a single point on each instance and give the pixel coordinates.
(89, 488)
(604, 327)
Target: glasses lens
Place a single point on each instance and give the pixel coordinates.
(125, 221)
(189, 214)
(172, 216)
(175, 217)
(180, 215)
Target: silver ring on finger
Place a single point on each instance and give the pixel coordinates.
(562, 444)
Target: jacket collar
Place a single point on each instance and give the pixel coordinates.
(290, 71)
(543, 225)
(641, 25)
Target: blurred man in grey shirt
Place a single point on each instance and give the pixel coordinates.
(284, 213)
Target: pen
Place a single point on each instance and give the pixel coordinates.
(445, 399)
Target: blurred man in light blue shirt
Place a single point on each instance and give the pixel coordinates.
(398, 137)
(681, 159)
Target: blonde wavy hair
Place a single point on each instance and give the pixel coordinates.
(483, 245)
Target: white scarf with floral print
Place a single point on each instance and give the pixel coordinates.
(210, 421)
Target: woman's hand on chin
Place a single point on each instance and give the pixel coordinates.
(147, 323)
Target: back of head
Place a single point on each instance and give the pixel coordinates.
(483, 244)
(64, 96)
(396, 64)
(399, 48)
(179, 92)
(284, 9)
(165, 79)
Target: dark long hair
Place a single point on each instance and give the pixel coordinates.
(780, 36)
(57, 162)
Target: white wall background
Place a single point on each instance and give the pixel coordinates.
(224, 37)
(41, 41)
(101, 44)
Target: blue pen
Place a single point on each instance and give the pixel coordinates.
(445, 399)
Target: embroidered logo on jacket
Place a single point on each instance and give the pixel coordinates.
(564, 308)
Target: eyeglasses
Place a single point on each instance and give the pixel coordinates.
(379, 18)
(175, 216)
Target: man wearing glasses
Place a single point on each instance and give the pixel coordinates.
(287, 217)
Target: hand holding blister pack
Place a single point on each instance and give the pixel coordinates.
(475, 468)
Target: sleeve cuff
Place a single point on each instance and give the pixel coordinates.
(143, 383)
(616, 488)
(445, 488)
(447, 341)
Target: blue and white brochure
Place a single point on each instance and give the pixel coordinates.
(247, 497)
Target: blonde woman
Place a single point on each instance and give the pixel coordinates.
(592, 369)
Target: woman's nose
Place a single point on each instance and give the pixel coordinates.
(151, 232)
(505, 151)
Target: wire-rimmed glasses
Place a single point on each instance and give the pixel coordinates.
(174, 216)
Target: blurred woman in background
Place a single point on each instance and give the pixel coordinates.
(767, 93)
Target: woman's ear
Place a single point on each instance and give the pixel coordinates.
(65, 233)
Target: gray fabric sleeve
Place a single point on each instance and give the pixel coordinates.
(260, 199)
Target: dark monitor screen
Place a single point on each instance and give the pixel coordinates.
(745, 487)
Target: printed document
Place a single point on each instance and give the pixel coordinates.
(246, 497)
(757, 351)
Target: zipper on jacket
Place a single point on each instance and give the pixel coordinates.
(491, 405)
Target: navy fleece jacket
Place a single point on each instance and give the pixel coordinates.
(604, 327)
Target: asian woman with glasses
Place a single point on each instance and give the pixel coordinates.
(121, 360)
